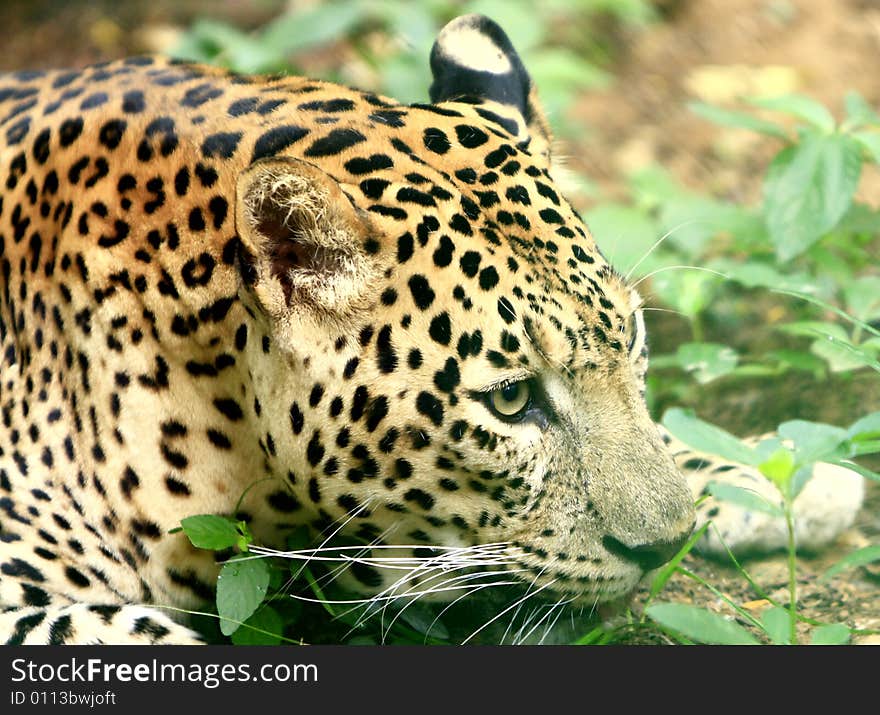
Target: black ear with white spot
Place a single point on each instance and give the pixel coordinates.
(474, 61)
(305, 245)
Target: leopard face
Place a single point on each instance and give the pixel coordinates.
(305, 304)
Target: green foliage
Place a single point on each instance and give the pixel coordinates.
(388, 43)
(707, 438)
(808, 189)
(241, 588)
(787, 461)
(207, 531)
(243, 581)
(262, 596)
(831, 634)
(699, 625)
(809, 240)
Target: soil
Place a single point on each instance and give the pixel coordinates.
(714, 50)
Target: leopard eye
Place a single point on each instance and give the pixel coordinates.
(511, 402)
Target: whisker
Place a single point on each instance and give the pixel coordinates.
(444, 565)
(478, 587)
(525, 623)
(446, 586)
(669, 268)
(336, 572)
(657, 243)
(442, 587)
(497, 616)
(561, 605)
(341, 526)
(531, 613)
(663, 310)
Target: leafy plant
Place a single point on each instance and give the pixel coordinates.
(811, 183)
(787, 461)
(387, 43)
(243, 582)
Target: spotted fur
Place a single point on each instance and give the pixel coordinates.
(215, 285)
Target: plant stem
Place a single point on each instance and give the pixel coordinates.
(697, 332)
(792, 572)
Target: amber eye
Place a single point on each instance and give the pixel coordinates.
(510, 402)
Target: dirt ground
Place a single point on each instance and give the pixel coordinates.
(714, 50)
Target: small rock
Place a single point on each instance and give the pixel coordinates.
(867, 640)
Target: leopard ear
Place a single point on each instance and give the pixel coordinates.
(303, 243)
(474, 61)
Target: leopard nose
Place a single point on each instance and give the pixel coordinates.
(646, 556)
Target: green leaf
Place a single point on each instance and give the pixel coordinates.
(858, 111)
(862, 297)
(299, 538)
(777, 625)
(861, 447)
(866, 427)
(779, 467)
(404, 76)
(766, 447)
(798, 360)
(706, 437)
(870, 142)
(561, 70)
(813, 441)
(707, 361)
(800, 478)
(807, 190)
(421, 618)
(699, 624)
(812, 328)
(758, 274)
(834, 309)
(412, 22)
(830, 634)
(841, 355)
(217, 42)
(209, 531)
(861, 220)
(737, 120)
(241, 588)
(858, 468)
(833, 343)
(799, 106)
(859, 557)
(746, 498)
(653, 186)
(686, 289)
(264, 627)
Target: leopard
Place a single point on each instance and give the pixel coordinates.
(309, 306)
